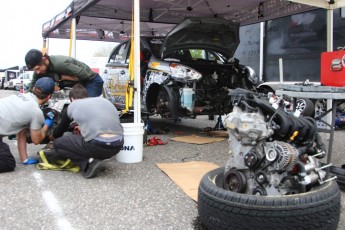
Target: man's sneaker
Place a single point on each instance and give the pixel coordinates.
(92, 169)
(48, 146)
(50, 154)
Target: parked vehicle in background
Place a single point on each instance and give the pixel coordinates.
(188, 72)
(22, 81)
(9, 75)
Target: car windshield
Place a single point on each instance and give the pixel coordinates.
(155, 44)
(187, 55)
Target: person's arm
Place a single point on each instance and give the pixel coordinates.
(63, 125)
(69, 78)
(73, 68)
(33, 81)
(37, 136)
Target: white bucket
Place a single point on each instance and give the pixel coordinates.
(132, 150)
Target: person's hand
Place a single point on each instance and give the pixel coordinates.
(51, 138)
(30, 161)
(76, 130)
(51, 115)
(49, 122)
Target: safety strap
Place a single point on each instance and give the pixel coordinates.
(58, 165)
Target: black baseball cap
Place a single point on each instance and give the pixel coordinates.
(33, 58)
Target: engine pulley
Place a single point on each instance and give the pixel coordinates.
(271, 154)
(251, 159)
(259, 191)
(261, 177)
(235, 181)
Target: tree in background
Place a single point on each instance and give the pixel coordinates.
(104, 51)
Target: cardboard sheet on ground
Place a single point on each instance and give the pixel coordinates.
(187, 175)
(193, 139)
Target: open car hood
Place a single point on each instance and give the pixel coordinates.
(203, 33)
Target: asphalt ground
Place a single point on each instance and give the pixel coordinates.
(123, 196)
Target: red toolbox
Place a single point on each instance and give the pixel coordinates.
(333, 68)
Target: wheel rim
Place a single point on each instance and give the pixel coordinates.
(163, 104)
(320, 107)
(301, 105)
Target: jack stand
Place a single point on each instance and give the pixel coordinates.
(219, 125)
(148, 126)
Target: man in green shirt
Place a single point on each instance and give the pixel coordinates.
(63, 68)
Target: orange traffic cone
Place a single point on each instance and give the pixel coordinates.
(22, 88)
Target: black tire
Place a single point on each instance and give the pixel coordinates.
(305, 106)
(221, 209)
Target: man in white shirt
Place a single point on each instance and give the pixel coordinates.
(19, 112)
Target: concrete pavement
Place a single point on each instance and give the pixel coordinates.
(124, 196)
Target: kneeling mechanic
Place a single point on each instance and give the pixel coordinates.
(19, 112)
(101, 133)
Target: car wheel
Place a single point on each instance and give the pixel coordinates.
(166, 104)
(222, 209)
(305, 106)
(320, 108)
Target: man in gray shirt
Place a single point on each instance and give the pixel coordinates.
(101, 133)
(19, 112)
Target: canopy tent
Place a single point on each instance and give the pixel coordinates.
(110, 20)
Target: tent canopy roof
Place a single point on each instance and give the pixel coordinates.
(110, 20)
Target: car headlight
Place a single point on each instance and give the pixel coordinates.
(251, 74)
(183, 73)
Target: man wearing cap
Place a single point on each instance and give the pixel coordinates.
(19, 112)
(63, 68)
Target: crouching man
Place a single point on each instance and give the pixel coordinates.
(19, 112)
(101, 133)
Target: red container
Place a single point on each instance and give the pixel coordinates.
(333, 68)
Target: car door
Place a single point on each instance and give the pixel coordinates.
(116, 75)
